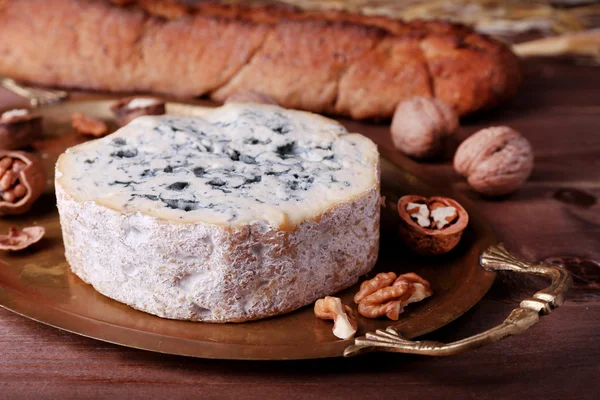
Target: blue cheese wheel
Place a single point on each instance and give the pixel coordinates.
(247, 212)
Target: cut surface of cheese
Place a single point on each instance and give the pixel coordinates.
(235, 166)
(247, 212)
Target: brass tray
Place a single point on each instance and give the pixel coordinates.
(38, 284)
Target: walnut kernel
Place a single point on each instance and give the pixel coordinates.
(344, 322)
(380, 280)
(389, 297)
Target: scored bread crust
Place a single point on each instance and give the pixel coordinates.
(321, 61)
(207, 272)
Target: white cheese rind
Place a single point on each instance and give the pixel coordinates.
(211, 270)
(205, 272)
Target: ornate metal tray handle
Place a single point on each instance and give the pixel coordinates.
(495, 258)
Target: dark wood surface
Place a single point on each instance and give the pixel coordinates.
(555, 216)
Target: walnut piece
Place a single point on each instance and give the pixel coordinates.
(89, 126)
(15, 114)
(388, 296)
(12, 189)
(381, 280)
(344, 322)
(21, 239)
(19, 129)
(443, 216)
(420, 126)
(431, 226)
(495, 161)
(250, 96)
(435, 216)
(22, 181)
(127, 109)
(420, 213)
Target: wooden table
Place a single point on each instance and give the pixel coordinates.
(555, 215)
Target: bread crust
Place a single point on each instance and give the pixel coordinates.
(205, 272)
(322, 61)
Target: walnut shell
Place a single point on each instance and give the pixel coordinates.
(431, 241)
(495, 161)
(251, 96)
(124, 114)
(17, 240)
(32, 177)
(421, 125)
(20, 132)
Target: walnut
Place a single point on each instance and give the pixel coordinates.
(420, 126)
(22, 181)
(19, 129)
(21, 239)
(251, 96)
(344, 322)
(495, 161)
(89, 126)
(127, 109)
(381, 280)
(387, 295)
(431, 226)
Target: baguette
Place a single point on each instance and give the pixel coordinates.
(327, 61)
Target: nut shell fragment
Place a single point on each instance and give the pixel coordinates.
(29, 176)
(17, 240)
(429, 240)
(495, 161)
(19, 130)
(124, 114)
